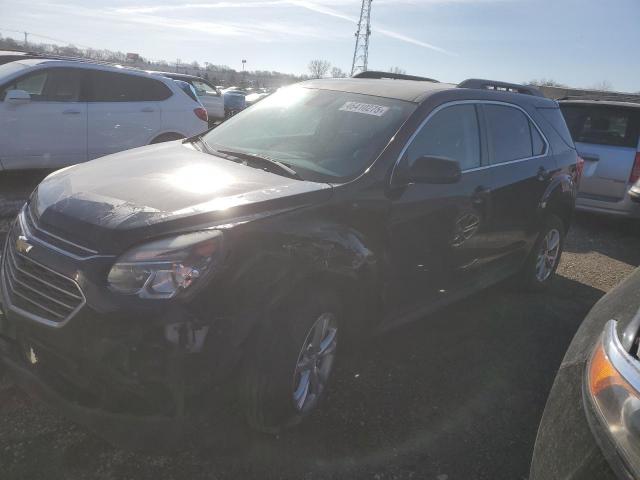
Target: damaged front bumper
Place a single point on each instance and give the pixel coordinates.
(125, 430)
(140, 378)
(146, 395)
(126, 368)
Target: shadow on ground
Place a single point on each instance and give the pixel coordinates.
(456, 395)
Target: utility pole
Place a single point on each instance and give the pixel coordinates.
(361, 52)
(25, 40)
(244, 77)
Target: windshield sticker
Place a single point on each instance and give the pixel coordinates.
(365, 108)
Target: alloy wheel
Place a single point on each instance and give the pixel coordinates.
(315, 362)
(548, 255)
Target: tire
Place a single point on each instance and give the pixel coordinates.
(534, 275)
(273, 382)
(166, 137)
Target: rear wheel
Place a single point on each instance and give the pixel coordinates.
(540, 268)
(291, 363)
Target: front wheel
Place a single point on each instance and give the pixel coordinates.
(291, 363)
(540, 267)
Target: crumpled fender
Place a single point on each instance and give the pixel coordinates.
(286, 257)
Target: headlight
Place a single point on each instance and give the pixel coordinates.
(163, 268)
(613, 383)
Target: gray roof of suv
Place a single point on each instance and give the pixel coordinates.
(418, 91)
(609, 103)
(408, 90)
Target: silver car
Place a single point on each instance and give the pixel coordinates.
(606, 137)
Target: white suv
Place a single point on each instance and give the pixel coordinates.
(208, 95)
(55, 113)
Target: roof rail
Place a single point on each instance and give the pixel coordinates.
(502, 86)
(630, 98)
(394, 76)
(70, 58)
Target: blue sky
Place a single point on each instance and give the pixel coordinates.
(579, 43)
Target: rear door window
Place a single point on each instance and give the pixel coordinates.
(511, 134)
(453, 133)
(602, 124)
(118, 87)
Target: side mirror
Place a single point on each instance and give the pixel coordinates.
(17, 97)
(434, 170)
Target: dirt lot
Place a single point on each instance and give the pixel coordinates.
(457, 395)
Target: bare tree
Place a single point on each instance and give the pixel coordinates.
(603, 86)
(547, 82)
(318, 68)
(338, 73)
(398, 70)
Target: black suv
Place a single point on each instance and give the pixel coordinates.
(136, 285)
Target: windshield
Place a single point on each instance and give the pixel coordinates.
(10, 68)
(324, 135)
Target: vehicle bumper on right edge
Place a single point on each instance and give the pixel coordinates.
(628, 207)
(571, 443)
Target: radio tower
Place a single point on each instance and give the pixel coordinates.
(361, 53)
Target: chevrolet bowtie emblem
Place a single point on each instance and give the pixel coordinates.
(22, 245)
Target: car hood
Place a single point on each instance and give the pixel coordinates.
(149, 191)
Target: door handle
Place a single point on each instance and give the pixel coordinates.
(148, 109)
(71, 112)
(543, 174)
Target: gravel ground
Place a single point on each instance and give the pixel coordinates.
(457, 395)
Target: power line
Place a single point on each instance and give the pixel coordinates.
(42, 36)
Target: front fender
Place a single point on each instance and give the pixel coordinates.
(299, 257)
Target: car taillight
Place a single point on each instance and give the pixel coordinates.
(635, 171)
(201, 113)
(579, 168)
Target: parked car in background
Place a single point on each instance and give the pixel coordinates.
(590, 428)
(208, 94)
(606, 135)
(244, 257)
(189, 90)
(55, 113)
(7, 56)
(254, 97)
(234, 101)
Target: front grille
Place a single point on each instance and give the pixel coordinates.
(36, 290)
(62, 245)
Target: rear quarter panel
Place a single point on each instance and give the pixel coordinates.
(177, 115)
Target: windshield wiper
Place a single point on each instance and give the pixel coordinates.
(252, 157)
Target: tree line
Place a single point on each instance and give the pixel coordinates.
(216, 74)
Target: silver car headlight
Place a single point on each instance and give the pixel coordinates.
(166, 267)
(613, 387)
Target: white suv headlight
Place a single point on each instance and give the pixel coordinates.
(613, 387)
(163, 268)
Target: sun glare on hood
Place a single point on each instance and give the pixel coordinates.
(199, 178)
